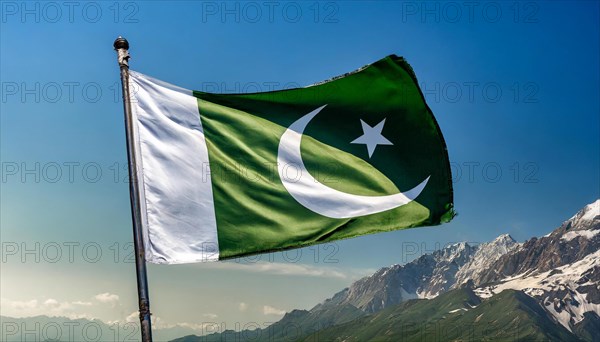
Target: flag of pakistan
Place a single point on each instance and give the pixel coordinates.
(226, 175)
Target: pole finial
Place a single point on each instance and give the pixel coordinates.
(121, 43)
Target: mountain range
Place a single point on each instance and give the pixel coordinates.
(545, 289)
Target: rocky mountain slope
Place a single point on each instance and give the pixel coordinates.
(560, 270)
(484, 258)
(573, 240)
(457, 315)
(425, 277)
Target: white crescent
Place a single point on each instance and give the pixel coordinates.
(320, 198)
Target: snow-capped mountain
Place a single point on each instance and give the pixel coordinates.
(561, 270)
(483, 259)
(426, 277)
(586, 219)
(575, 239)
(568, 292)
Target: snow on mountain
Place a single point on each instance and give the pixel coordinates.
(576, 238)
(561, 270)
(587, 234)
(485, 256)
(448, 262)
(567, 292)
(424, 277)
(589, 213)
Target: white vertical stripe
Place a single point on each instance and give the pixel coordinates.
(178, 211)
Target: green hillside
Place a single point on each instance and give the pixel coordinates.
(294, 326)
(454, 316)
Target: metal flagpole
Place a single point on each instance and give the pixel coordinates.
(121, 45)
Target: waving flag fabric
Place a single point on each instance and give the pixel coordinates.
(226, 175)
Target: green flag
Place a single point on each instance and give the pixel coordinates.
(226, 175)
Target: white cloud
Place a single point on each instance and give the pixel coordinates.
(158, 323)
(243, 306)
(107, 298)
(49, 307)
(195, 326)
(210, 315)
(58, 308)
(200, 328)
(18, 305)
(51, 302)
(269, 310)
(291, 269)
(133, 317)
(78, 302)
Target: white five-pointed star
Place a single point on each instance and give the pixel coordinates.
(372, 137)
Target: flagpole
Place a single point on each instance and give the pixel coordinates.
(121, 45)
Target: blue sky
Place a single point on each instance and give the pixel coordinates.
(514, 86)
